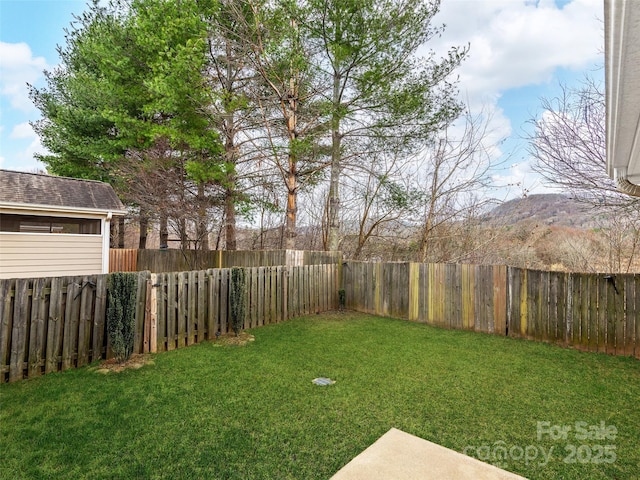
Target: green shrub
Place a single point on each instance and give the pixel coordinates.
(121, 309)
(237, 298)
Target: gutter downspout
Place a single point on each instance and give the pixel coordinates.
(624, 185)
(106, 234)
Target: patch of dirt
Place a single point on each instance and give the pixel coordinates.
(230, 339)
(135, 362)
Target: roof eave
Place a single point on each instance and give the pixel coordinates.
(103, 212)
(622, 52)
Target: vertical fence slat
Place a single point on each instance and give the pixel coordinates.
(161, 295)
(468, 295)
(191, 307)
(38, 329)
(141, 305)
(560, 296)
(55, 328)
(616, 316)
(500, 299)
(146, 331)
(72, 318)
(19, 331)
(285, 293)
(588, 331)
(260, 295)
(182, 309)
(631, 315)
(213, 317)
(202, 306)
(252, 287)
(224, 300)
(99, 319)
(280, 295)
(85, 320)
(601, 312)
(636, 314)
(172, 308)
(273, 293)
(152, 299)
(7, 293)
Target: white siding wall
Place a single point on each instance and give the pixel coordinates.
(25, 255)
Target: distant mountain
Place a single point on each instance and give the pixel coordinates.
(544, 209)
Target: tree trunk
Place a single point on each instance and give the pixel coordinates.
(202, 227)
(121, 232)
(290, 222)
(164, 231)
(334, 182)
(144, 226)
(230, 221)
(184, 239)
(230, 154)
(292, 173)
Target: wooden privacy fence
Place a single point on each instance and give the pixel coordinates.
(594, 312)
(53, 324)
(188, 307)
(158, 261)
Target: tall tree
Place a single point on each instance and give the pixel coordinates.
(134, 70)
(231, 82)
(380, 85)
(286, 94)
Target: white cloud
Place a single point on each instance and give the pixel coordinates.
(22, 130)
(18, 67)
(517, 43)
(26, 144)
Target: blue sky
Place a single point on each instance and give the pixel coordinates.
(520, 51)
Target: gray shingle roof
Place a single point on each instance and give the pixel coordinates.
(39, 189)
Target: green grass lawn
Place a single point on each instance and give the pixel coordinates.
(211, 411)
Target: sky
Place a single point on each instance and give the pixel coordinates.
(520, 51)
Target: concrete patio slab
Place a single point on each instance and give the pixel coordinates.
(399, 455)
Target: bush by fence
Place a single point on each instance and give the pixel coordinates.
(594, 312)
(159, 261)
(53, 324)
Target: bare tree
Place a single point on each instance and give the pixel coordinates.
(453, 171)
(378, 195)
(569, 145)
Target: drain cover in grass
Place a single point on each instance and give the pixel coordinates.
(323, 381)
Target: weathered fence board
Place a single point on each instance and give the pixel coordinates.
(269, 296)
(6, 318)
(594, 312)
(55, 324)
(99, 319)
(160, 261)
(49, 324)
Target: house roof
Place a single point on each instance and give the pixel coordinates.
(622, 68)
(23, 188)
